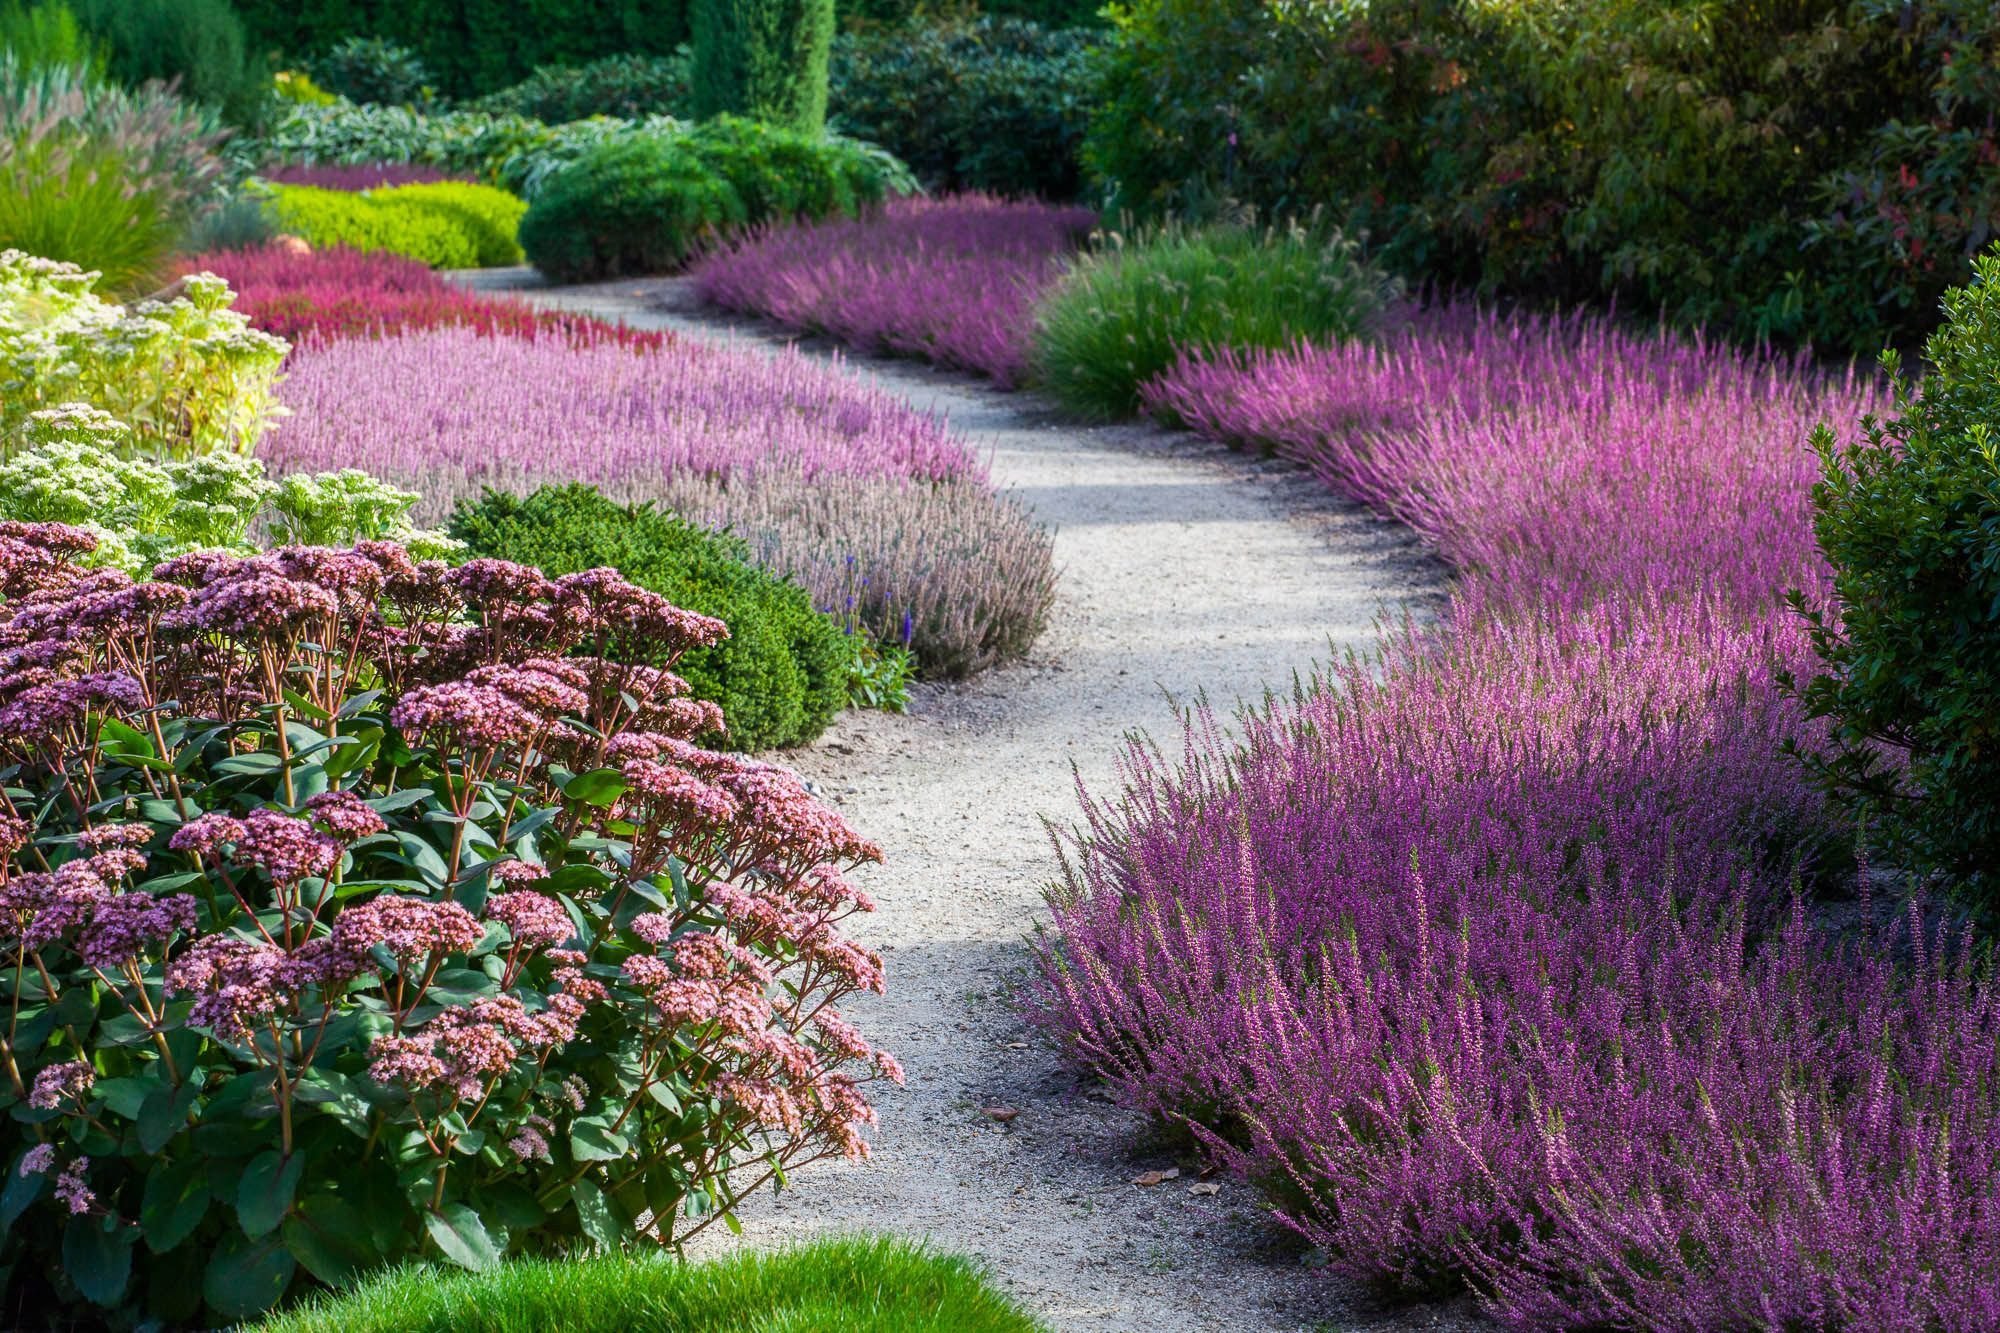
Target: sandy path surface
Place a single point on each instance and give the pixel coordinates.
(1185, 570)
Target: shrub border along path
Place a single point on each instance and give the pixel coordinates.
(1185, 569)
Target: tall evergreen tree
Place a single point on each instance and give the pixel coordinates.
(762, 58)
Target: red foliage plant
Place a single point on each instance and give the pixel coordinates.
(325, 295)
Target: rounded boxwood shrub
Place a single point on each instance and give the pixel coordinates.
(781, 173)
(491, 217)
(628, 206)
(626, 86)
(403, 921)
(781, 674)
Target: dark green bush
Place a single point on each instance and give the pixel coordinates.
(627, 86)
(997, 104)
(765, 59)
(1910, 520)
(473, 47)
(781, 674)
(372, 71)
(631, 205)
(1809, 169)
(646, 203)
(1048, 13)
(201, 43)
(781, 173)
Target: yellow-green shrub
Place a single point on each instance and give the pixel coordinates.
(446, 224)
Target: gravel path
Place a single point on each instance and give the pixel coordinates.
(1185, 570)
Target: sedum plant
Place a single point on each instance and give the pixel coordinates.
(186, 375)
(358, 910)
(141, 511)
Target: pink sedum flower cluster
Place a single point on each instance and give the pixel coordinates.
(402, 866)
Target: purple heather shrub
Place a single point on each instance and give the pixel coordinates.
(1489, 960)
(448, 412)
(879, 511)
(952, 280)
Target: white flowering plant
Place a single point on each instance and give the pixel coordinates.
(75, 471)
(187, 375)
(356, 909)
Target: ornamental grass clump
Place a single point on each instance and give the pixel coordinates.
(322, 295)
(952, 280)
(361, 909)
(186, 376)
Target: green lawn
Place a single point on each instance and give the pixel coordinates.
(862, 1285)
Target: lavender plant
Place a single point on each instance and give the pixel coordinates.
(358, 908)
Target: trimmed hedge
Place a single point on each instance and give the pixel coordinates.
(781, 674)
(446, 224)
(646, 203)
(628, 87)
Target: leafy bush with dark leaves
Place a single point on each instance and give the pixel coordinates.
(1910, 521)
(998, 105)
(781, 674)
(372, 71)
(626, 86)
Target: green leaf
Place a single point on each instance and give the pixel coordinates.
(462, 1237)
(126, 1096)
(126, 741)
(600, 787)
(164, 1115)
(97, 1255)
(597, 1215)
(592, 1139)
(247, 1277)
(259, 764)
(264, 1195)
(399, 800)
(339, 1096)
(176, 1199)
(19, 1192)
(326, 1236)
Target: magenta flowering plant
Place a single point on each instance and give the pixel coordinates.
(356, 908)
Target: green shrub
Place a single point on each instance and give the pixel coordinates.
(781, 674)
(95, 175)
(1125, 312)
(199, 43)
(780, 173)
(625, 86)
(765, 59)
(630, 205)
(1910, 521)
(45, 34)
(490, 217)
(447, 224)
(997, 105)
(185, 376)
(372, 71)
(474, 47)
(528, 168)
(235, 221)
(859, 1285)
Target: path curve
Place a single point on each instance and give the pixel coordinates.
(1184, 570)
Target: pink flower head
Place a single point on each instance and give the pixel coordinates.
(106, 836)
(57, 1084)
(409, 927)
(15, 833)
(677, 793)
(288, 849)
(122, 928)
(603, 601)
(205, 835)
(37, 1160)
(345, 815)
(251, 603)
(39, 713)
(488, 582)
(71, 1191)
(535, 919)
(514, 874)
(545, 692)
(479, 716)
